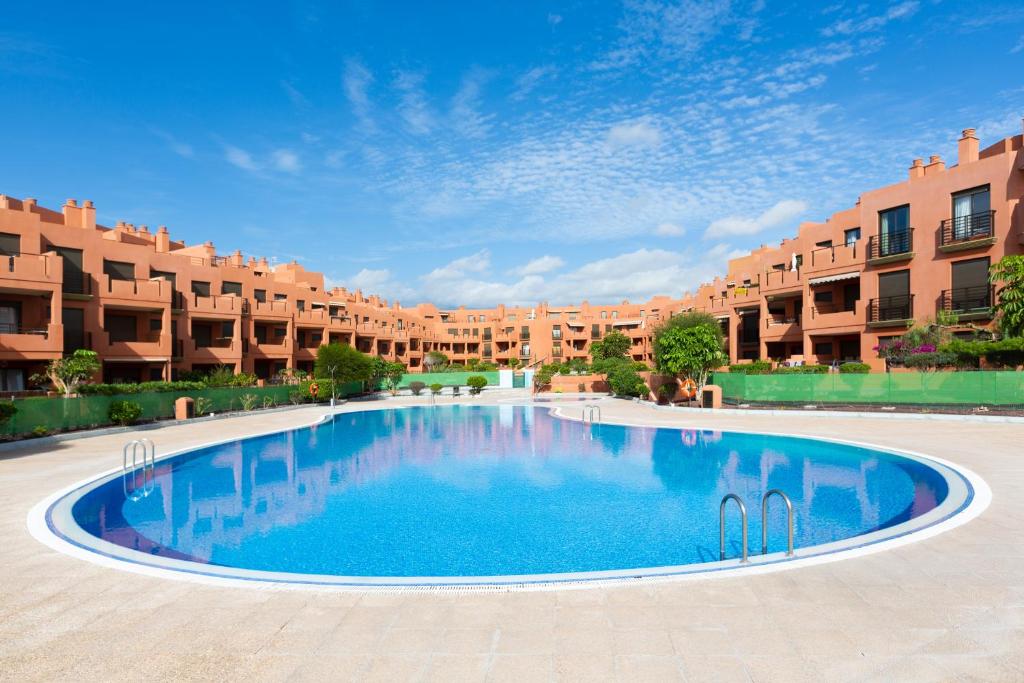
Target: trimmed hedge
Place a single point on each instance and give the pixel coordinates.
(801, 370)
(758, 367)
(139, 388)
(855, 368)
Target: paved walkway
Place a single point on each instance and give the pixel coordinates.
(946, 608)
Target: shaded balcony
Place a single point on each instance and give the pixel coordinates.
(889, 247)
(972, 231)
(969, 303)
(891, 311)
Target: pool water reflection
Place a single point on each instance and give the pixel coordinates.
(496, 490)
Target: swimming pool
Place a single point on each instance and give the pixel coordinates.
(509, 494)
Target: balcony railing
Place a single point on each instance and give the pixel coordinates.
(826, 256)
(776, 319)
(826, 308)
(215, 343)
(891, 308)
(975, 226)
(524, 336)
(890, 244)
(968, 299)
(11, 328)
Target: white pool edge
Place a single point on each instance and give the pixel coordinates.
(890, 538)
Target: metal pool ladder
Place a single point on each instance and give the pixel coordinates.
(764, 521)
(721, 525)
(138, 482)
(588, 412)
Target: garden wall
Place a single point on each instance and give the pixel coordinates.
(448, 379)
(59, 414)
(995, 388)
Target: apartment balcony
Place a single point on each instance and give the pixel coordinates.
(780, 281)
(524, 336)
(150, 346)
(217, 306)
(745, 295)
(891, 311)
(316, 317)
(216, 350)
(135, 293)
(969, 303)
(42, 342)
(974, 231)
(267, 310)
(36, 272)
(271, 346)
(827, 316)
(780, 326)
(837, 257)
(891, 247)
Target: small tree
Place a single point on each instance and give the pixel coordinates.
(1009, 273)
(341, 363)
(690, 351)
(624, 379)
(435, 361)
(417, 387)
(66, 374)
(476, 383)
(514, 363)
(392, 374)
(124, 412)
(685, 321)
(614, 345)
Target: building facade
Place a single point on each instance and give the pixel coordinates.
(152, 307)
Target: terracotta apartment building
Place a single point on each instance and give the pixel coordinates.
(153, 307)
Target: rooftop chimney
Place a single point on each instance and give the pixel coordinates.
(967, 147)
(237, 259)
(88, 215)
(163, 240)
(935, 165)
(72, 216)
(916, 171)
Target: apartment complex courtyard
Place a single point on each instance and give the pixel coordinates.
(945, 607)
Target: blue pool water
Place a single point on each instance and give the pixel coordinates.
(504, 490)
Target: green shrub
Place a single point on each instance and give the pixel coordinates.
(7, 411)
(40, 430)
(138, 388)
(476, 383)
(296, 396)
(624, 380)
(436, 388)
(801, 370)
(249, 401)
(417, 387)
(758, 367)
(203, 405)
(854, 368)
(124, 412)
(929, 360)
(1001, 353)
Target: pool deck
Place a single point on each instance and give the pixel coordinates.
(945, 608)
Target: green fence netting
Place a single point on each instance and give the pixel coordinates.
(993, 388)
(448, 379)
(59, 414)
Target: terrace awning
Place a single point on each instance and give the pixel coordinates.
(833, 278)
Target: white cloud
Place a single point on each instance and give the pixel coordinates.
(782, 212)
(852, 26)
(286, 160)
(180, 148)
(240, 158)
(466, 118)
(667, 31)
(634, 134)
(295, 95)
(356, 82)
(529, 81)
(1018, 47)
(539, 265)
(554, 19)
(413, 106)
(637, 275)
(669, 230)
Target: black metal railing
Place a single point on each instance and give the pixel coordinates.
(975, 226)
(891, 308)
(524, 336)
(82, 284)
(12, 328)
(890, 244)
(781, 319)
(968, 299)
(823, 255)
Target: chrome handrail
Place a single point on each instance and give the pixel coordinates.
(137, 491)
(721, 525)
(764, 521)
(588, 411)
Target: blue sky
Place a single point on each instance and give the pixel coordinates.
(484, 152)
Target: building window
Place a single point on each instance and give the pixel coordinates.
(971, 217)
(300, 305)
(825, 244)
(615, 314)
(231, 288)
(119, 270)
(200, 288)
(604, 314)
(894, 231)
(850, 236)
(823, 348)
(280, 297)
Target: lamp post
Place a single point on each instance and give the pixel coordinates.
(334, 386)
